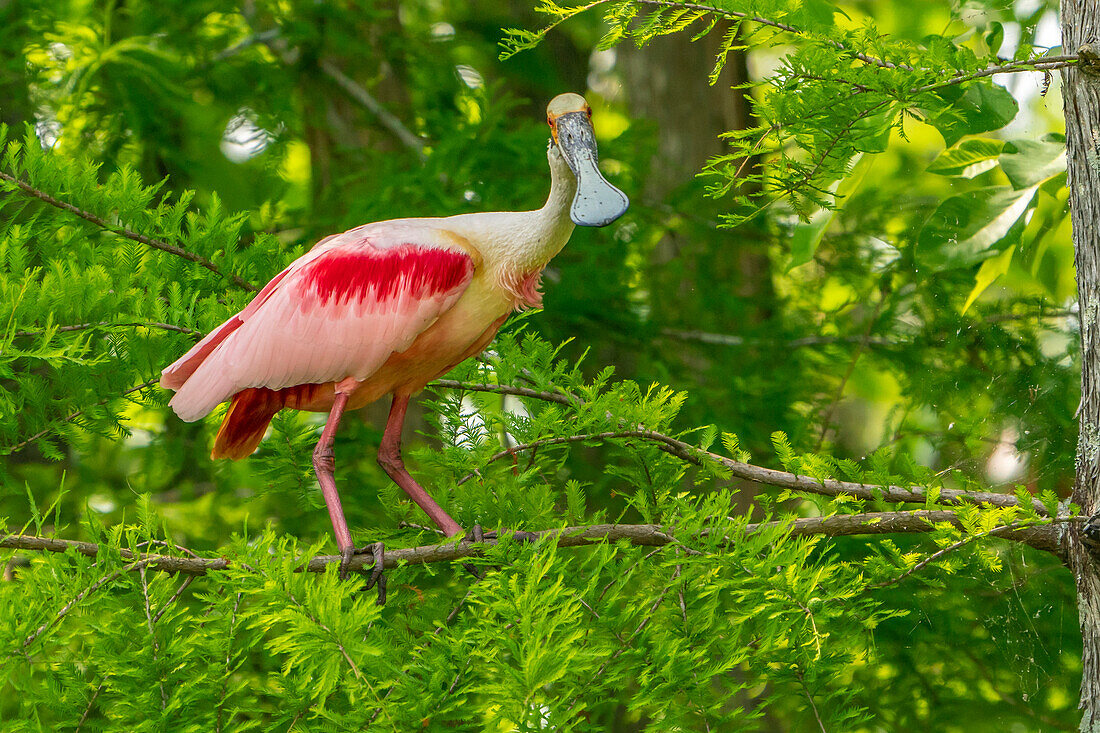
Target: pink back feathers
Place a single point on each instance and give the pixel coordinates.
(378, 276)
(339, 311)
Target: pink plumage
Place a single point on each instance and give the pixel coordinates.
(368, 301)
(371, 275)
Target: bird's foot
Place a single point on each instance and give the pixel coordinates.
(377, 551)
(476, 534)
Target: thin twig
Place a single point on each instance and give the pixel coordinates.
(385, 117)
(112, 324)
(561, 399)
(125, 232)
(535, 445)
(228, 657)
(153, 636)
(967, 540)
(724, 339)
(339, 645)
(72, 416)
(175, 597)
(332, 635)
(625, 644)
(882, 63)
(810, 697)
(88, 710)
(1042, 63)
(263, 37)
(138, 565)
(860, 348)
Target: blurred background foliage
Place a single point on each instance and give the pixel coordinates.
(854, 330)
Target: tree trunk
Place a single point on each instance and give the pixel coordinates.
(1081, 93)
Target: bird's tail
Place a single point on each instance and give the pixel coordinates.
(246, 422)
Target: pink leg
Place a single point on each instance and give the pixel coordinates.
(389, 457)
(324, 463)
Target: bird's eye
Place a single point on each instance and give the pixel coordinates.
(589, 111)
(550, 121)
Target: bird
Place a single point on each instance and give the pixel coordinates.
(385, 308)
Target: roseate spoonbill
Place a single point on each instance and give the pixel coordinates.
(384, 309)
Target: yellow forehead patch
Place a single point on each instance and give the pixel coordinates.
(565, 103)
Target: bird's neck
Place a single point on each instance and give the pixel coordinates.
(538, 236)
(563, 186)
(516, 245)
(543, 233)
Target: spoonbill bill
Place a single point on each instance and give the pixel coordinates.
(385, 308)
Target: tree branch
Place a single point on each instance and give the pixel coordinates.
(1040, 535)
(386, 118)
(561, 399)
(352, 88)
(747, 471)
(1042, 63)
(124, 232)
(882, 63)
(113, 324)
(1004, 528)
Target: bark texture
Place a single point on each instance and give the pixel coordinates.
(1081, 94)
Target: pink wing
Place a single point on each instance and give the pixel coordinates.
(341, 310)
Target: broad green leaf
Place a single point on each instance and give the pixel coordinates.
(994, 37)
(963, 230)
(981, 108)
(1028, 162)
(871, 134)
(965, 158)
(990, 270)
(807, 236)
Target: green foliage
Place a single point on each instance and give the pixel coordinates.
(871, 282)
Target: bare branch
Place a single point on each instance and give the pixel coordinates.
(263, 37)
(726, 339)
(1042, 63)
(88, 710)
(112, 324)
(967, 540)
(749, 472)
(558, 397)
(352, 88)
(385, 117)
(1038, 534)
(124, 232)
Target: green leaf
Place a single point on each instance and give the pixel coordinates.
(1029, 162)
(965, 158)
(807, 235)
(970, 227)
(990, 270)
(994, 37)
(982, 107)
